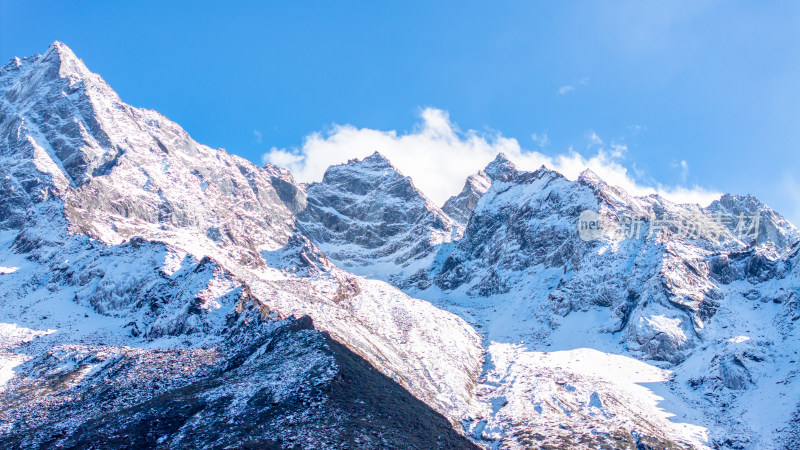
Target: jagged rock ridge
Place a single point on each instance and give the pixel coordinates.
(459, 207)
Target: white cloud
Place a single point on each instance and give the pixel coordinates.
(439, 157)
(541, 139)
(259, 137)
(684, 168)
(594, 139)
(281, 157)
(565, 89)
(636, 128)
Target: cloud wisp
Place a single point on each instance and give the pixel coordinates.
(565, 89)
(541, 139)
(684, 169)
(438, 156)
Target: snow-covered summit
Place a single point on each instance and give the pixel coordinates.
(501, 168)
(772, 227)
(369, 217)
(459, 207)
(376, 162)
(69, 65)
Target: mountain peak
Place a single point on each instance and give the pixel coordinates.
(57, 62)
(377, 159)
(590, 177)
(501, 168)
(367, 210)
(61, 56)
(61, 50)
(501, 158)
(15, 62)
(367, 173)
(375, 163)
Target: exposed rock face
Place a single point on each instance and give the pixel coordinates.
(772, 227)
(459, 207)
(365, 215)
(292, 194)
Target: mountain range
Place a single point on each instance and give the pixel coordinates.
(156, 292)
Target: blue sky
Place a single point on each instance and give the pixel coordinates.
(695, 94)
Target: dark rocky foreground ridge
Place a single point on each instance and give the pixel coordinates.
(155, 292)
(303, 389)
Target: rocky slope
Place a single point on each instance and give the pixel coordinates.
(274, 385)
(459, 207)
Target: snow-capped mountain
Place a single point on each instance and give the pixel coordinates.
(669, 284)
(369, 218)
(122, 236)
(459, 207)
(528, 229)
(659, 290)
(155, 292)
